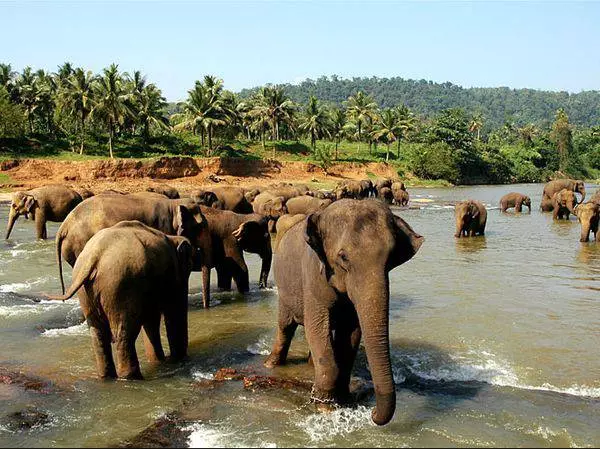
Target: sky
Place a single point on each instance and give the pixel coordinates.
(539, 45)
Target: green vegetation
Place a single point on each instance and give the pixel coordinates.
(74, 114)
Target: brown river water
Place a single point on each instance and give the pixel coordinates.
(495, 342)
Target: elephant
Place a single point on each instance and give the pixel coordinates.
(322, 194)
(85, 193)
(251, 194)
(516, 200)
(180, 217)
(232, 198)
(380, 183)
(386, 195)
(231, 235)
(401, 197)
(588, 215)
(168, 191)
(352, 190)
(127, 277)
(208, 199)
(49, 203)
(471, 218)
(269, 205)
(284, 224)
(368, 188)
(596, 197)
(563, 204)
(553, 187)
(305, 205)
(332, 274)
(287, 192)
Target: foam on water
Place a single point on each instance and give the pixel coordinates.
(325, 426)
(202, 375)
(27, 309)
(18, 287)
(261, 347)
(209, 435)
(79, 329)
(477, 367)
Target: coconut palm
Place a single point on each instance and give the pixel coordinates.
(405, 122)
(259, 114)
(338, 123)
(7, 77)
(314, 121)
(476, 124)
(77, 98)
(280, 109)
(28, 94)
(111, 98)
(360, 109)
(386, 129)
(46, 98)
(150, 110)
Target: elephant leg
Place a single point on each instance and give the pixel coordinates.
(241, 277)
(518, 207)
(40, 226)
(152, 343)
(345, 345)
(318, 334)
(285, 332)
(128, 366)
(101, 344)
(224, 277)
(176, 323)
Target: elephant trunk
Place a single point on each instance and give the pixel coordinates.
(585, 232)
(267, 256)
(582, 191)
(373, 314)
(12, 218)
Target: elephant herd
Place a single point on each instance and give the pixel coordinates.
(132, 255)
(558, 197)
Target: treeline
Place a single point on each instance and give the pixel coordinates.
(113, 107)
(499, 105)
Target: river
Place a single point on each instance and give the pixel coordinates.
(495, 342)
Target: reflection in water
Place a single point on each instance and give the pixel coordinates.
(589, 254)
(470, 244)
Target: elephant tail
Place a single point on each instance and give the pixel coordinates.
(59, 240)
(86, 273)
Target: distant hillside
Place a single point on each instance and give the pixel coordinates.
(497, 104)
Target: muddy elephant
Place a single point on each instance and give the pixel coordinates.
(180, 217)
(284, 224)
(553, 187)
(352, 190)
(231, 198)
(305, 205)
(127, 277)
(231, 235)
(588, 215)
(563, 204)
(49, 203)
(168, 191)
(471, 218)
(332, 274)
(386, 195)
(401, 196)
(516, 200)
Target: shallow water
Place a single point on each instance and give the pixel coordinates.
(495, 342)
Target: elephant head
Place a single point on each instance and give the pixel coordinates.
(566, 199)
(579, 186)
(465, 212)
(588, 215)
(274, 207)
(207, 198)
(22, 204)
(527, 202)
(357, 248)
(192, 224)
(251, 194)
(341, 192)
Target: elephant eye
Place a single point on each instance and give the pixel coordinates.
(343, 261)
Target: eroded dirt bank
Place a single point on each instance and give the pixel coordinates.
(184, 173)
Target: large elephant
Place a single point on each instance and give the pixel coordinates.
(352, 190)
(173, 217)
(231, 235)
(284, 224)
(563, 204)
(588, 215)
(168, 191)
(48, 203)
(516, 200)
(332, 274)
(305, 205)
(126, 277)
(553, 187)
(471, 218)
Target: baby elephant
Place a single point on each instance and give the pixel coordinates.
(516, 200)
(132, 274)
(564, 203)
(471, 218)
(588, 215)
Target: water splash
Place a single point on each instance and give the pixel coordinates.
(322, 427)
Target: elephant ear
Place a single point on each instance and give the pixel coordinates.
(408, 243)
(313, 237)
(252, 234)
(185, 256)
(474, 210)
(185, 221)
(30, 203)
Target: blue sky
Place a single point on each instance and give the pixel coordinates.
(551, 45)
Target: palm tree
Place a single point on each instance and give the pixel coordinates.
(280, 109)
(338, 122)
(7, 77)
(77, 97)
(314, 121)
(405, 122)
(476, 124)
(386, 129)
(528, 133)
(259, 113)
(361, 109)
(28, 94)
(64, 73)
(151, 106)
(46, 98)
(111, 100)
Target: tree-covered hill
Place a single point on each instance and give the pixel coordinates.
(497, 104)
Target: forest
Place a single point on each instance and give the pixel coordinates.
(432, 131)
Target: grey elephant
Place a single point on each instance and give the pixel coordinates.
(332, 274)
(49, 203)
(471, 218)
(563, 204)
(516, 200)
(284, 224)
(231, 198)
(588, 215)
(305, 205)
(180, 217)
(127, 277)
(553, 187)
(168, 191)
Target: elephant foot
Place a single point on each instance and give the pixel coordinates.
(319, 396)
(273, 361)
(133, 375)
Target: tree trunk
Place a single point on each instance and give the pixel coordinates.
(398, 149)
(110, 138)
(359, 136)
(336, 149)
(82, 133)
(277, 130)
(210, 140)
(387, 154)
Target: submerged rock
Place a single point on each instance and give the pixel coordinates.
(167, 431)
(25, 381)
(24, 420)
